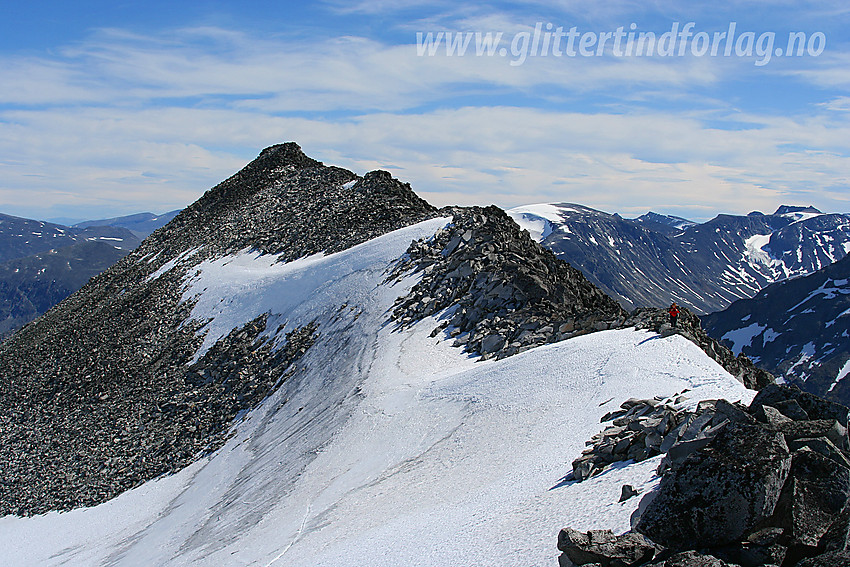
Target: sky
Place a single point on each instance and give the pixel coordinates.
(110, 108)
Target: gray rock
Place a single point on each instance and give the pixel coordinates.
(492, 343)
(605, 548)
(835, 559)
(814, 406)
(628, 491)
(828, 428)
(692, 559)
(721, 492)
(837, 537)
(771, 416)
(820, 490)
(792, 409)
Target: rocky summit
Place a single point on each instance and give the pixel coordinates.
(507, 293)
(104, 392)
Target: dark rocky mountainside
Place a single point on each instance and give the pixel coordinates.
(509, 294)
(100, 393)
(797, 329)
(654, 259)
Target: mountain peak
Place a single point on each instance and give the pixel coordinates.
(667, 220)
(788, 209)
(286, 154)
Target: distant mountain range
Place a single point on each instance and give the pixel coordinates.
(656, 259)
(140, 224)
(42, 263)
(797, 329)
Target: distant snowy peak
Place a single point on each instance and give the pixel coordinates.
(538, 220)
(678, 223)
(797, 213)
(543, 219)
(655, 259)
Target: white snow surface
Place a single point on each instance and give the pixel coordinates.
(386, 447)
(842, 374)
(538, 219)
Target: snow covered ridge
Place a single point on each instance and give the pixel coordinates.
(394, 449)
(656, 259)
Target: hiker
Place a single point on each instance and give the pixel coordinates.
(674, 314)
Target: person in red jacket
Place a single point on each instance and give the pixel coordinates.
(674, 314)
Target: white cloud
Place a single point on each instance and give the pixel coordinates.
(159, 158)
(124, 122)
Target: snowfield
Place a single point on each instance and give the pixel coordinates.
(386, 447)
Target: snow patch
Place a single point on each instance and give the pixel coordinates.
(538, 227)
(235, 289)
(770, 335)
(743, 337)
(842, 374)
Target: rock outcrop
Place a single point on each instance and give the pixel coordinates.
(508, 293)
(641, 429)
(772, 487)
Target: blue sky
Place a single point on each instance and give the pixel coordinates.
(110, 108)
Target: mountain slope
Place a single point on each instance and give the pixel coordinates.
(654, 260)
(110, 377)
(405, 454)
(797, 329)
(20, 237)
(43, 263)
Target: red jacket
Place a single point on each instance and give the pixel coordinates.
(673, 311)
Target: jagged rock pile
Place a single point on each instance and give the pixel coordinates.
(645, 428)
(771, 488)
(509, 294)
(688, 325)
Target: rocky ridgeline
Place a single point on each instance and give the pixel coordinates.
(507, 294)
(688, 325)
(100, 393)
(644, 428)
(771, 487)
(286, 203)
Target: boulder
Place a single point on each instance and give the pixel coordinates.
(628, 491)
(720, 492)
(815, 407)
(820, 490)
(604, 548)
(492, 343)
(692, 559)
